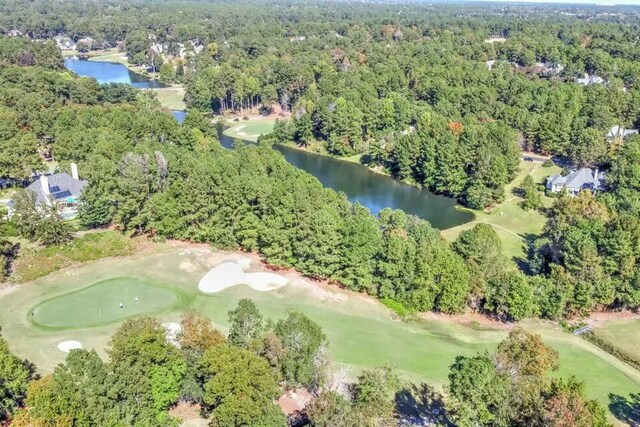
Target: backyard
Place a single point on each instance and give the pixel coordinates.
(512, 223)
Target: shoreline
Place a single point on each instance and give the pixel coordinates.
(382, 172)
(234, 126)
(165, 95)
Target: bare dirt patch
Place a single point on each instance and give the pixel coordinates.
(188, 414)
(599, 318)
(294, 400)
(472, 320)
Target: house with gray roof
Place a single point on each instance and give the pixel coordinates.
(576, 181)
(620, 132)
(590, 80)
(59, 188)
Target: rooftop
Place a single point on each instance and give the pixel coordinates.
(61, 186)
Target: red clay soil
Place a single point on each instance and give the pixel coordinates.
(294, 400)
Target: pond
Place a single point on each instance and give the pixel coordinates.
(360, 184)
(110, 72)
(373, 190)
(113, 72)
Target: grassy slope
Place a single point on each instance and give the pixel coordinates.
(35, 262)
(171, 97)
(622, 334)
(510, 221)
(361, 331)
(249, 129)
(110, 55)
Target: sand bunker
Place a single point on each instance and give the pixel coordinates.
(172, 330)
(67, 346)
(230, 274)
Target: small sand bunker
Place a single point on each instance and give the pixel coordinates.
(172, 330)
(230, 274)
(67, 346)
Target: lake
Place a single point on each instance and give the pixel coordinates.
(360, 184)
(375, 191)
(110, 72)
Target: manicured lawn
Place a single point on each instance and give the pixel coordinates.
(100, 304)
(249, 129)
(171, 97)
(512, 223)
(109, 55)
(362, 332)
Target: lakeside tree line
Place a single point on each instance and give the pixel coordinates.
(234, 381)
(407, 86)
(148, 174)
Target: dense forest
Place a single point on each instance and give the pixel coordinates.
(148, 174)
(408, 87)
(414, 88)
(235, 380)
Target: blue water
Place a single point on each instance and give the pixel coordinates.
(109, 72)
(374, 191)
(179, 115)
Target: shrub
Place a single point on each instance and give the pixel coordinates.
(33, 263)
(547, 163)
(397, 307)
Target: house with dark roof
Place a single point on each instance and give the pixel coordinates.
(59, 188)
(576, 181)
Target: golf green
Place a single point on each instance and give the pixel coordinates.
(103, 303)
(362, 333)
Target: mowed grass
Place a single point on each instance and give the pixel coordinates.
(249, 130)
(362, 333)
(103, 303)
(512, 223)
(623, 335)
(171, 97)
(109, 55)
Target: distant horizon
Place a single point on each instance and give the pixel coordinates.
(602, 3)
(590, 2)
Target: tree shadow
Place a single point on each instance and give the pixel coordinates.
(626, 409)
(524, 263)
(517, 191)
(421, 405)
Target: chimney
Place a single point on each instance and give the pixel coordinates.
(595, 174)
(44, 182)
(74, 171)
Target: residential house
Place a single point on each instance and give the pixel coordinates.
(620, 132)
(590, 80)
(59, 188)
(64, 43)
(576, 181)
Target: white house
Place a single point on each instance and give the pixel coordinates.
(576, 181)
(590, 80)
